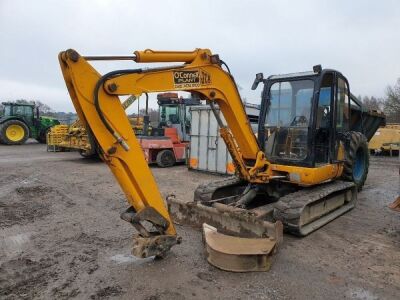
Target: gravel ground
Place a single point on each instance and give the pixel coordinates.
(61, 237)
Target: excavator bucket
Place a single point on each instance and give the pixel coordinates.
(244, 242)
(395, 205)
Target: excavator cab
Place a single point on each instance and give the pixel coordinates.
(303, 117)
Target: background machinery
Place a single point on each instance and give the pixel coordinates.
(76, 137)
(386, 139)
(64, 137)
(305, 169)
(18, 122)
(164, 143)
(168, 141)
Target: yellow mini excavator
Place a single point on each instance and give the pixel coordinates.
(303, 170)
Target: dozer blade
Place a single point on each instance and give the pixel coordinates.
(395, 205)
(244, 242)
(228, 219)
(237, 254)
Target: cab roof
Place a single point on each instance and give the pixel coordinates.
(302, 74)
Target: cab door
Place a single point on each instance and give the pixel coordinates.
(324, 131)
(332, 116)
(341, 113)
(342, 107)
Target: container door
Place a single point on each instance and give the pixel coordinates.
(203, 138)
(208, 151)
(223, 157)
(194, 140)
(213, 134)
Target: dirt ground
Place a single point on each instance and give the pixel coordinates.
(61, 237)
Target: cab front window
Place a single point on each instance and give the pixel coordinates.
(288, 119)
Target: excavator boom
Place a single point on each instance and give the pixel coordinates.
(121, 151)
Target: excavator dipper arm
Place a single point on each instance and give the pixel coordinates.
(96, 101)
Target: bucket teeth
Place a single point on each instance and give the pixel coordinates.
(157, 245)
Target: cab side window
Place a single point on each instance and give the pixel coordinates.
(19, 110)
(28, 111)
(323, 127)
(342, 106)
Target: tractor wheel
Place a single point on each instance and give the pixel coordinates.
(356, 159)
(87, 153)
(165, 158)
(13, 132)
(42, 138)
(92, 152)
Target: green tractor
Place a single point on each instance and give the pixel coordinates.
(18, 122)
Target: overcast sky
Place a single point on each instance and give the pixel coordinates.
(359, 38)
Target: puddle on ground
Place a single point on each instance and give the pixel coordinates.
(130, 259)
(363, 294)
(15, 244)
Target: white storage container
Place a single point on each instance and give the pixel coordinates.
(207, 151)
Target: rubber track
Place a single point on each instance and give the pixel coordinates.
(204, 192)
(290, 207)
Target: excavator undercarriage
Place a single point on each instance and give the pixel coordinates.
(301, 211)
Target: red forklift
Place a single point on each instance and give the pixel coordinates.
(167, 143)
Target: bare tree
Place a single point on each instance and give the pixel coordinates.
(239, 87)
(392, 103)
(153, 114)
(44, 108)
(372, 103)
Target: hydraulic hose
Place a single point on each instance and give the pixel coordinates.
(100, 83)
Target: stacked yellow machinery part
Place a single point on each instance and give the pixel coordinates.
(386, 139)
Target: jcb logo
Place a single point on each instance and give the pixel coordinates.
(191, 79)
(205, 78)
